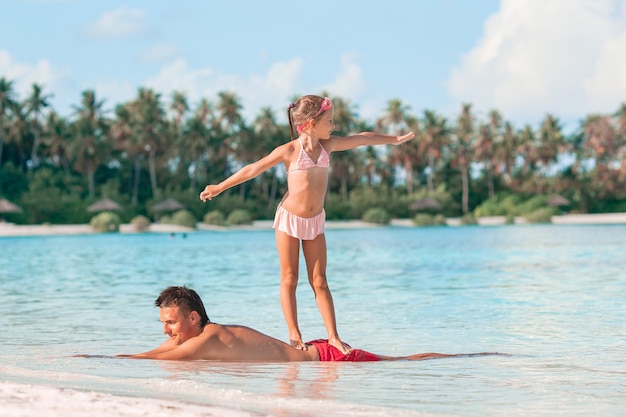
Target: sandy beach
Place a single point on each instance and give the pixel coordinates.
(10, 229)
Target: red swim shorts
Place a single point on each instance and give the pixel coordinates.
(329, 353)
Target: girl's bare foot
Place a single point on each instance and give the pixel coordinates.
(343, 347)
(298, 344)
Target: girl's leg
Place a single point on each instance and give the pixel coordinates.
(288, 253)
(315, 257)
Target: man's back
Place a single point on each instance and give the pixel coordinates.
(241, 343)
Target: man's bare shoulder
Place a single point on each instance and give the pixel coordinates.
(218, 329)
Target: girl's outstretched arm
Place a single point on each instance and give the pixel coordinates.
(246, 173)
(367, 139)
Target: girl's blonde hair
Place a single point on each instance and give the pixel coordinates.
(304, 111)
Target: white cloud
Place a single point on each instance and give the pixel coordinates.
(272, 88)
(564, 57)
(159, 53)
(349, 82)
(119, 23)
(24, 75)
(114, 92)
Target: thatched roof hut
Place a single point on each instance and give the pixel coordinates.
(168, 205)
(7, 207)
(558, 201)
(425, 203)
(104, 205)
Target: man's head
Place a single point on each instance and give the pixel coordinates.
(182, 312)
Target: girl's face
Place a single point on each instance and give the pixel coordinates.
(325, 125)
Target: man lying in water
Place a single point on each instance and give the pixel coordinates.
(193, 336)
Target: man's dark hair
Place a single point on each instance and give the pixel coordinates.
(186, 299)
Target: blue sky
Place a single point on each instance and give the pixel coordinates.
(524, 57)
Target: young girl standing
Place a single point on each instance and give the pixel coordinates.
(300, 216)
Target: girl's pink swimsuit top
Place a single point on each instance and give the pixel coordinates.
(304, 161)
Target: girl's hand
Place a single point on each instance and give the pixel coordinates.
(404, 138)
(209, 192)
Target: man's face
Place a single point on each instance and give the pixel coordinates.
(176, 325)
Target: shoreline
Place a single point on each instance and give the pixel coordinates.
(11, 230)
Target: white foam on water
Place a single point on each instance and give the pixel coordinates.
(19, 400)
(67, 394)
(26, 400)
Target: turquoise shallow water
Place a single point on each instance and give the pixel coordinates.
(552, 297)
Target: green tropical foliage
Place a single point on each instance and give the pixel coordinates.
(184, 218)
(106, 221)
(376, 215)
(152, 147)
(239, 217)
(140, 223)
(215, 218)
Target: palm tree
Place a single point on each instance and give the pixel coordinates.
(218, 148)
(174, 152)
(229, 111)
(620, 117)
(194, 142)
(57, 138)
(395, 121)
(620, 121)
(267, 135)
(124, 140)
(19, 130)
(212, 161)
(601, 138)
(462, 145)
(551, 144)
(551, 139)
(345, 166)
(6, 102)
(89, 140)
(150, 127)
(527, 150)
(179, 106)
(394, 117)
(506, 151)
(35, 105)
(602, 142)
(231, 124)
(434, 138)
(489, 136)
(409, 155)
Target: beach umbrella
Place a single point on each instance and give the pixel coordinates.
(168, 205)
(7, 207)
(104, 205)
(425, 203)
(558, 201)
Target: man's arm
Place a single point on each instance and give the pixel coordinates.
(171, 351)
(169, 345)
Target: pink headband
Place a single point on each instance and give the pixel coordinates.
(326, 105)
